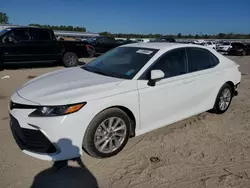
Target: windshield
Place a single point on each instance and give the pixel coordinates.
(2, 32)
(91, 39)
(226, 43)
(237, 45)
(121, 62)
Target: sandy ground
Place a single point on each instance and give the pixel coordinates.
(205, 151)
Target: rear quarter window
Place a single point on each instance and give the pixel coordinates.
(200, 59)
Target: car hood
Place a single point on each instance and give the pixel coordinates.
(66, 85)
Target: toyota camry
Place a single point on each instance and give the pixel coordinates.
(126, 92)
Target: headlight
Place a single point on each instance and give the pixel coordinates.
(45, 111)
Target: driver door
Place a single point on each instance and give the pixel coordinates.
(171, 98)
(16, 45)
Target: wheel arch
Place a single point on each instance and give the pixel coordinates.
(130, 115)
(231, 84)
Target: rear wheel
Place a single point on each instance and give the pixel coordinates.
(223, 99)
(243, 53)
(107, 134)
(91, 51)
(70, 59)
(1, 66)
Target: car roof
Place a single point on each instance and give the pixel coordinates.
(27, 27)
(162, 45)
(154, 45)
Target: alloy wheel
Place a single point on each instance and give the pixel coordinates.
(71, 60)
(110, 135)
(225, 99)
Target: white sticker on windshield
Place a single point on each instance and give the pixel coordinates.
(147, 52)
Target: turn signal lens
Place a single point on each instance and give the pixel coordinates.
(73, 108)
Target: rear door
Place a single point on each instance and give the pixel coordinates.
(15, 46)
(202, 65)
(105, 44)
(45, 45)
(101, 45)
(111, 43)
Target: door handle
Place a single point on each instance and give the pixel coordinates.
(188, 81)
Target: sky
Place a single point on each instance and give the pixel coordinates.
(135, 16)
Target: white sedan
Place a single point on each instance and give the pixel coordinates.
(127, 91)
(210, 44)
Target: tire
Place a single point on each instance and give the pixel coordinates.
(90, 140)
(217, 106)
(1, 66)
(91, 51)
(70, 59)
(243, 53)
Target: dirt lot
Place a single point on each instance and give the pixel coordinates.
(206, 151)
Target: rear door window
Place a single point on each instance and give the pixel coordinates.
(102, 40)
(237, 45)
(110, 40)
(200, 59)
(41, 35)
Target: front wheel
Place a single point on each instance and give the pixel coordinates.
(243, 53)
(223, 99)
(107, 133)
(70, 59)
(90, 51)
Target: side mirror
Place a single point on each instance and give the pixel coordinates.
(155, 75)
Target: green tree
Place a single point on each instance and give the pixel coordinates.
(196, 36)
(4, 19)
(106, 34)
(221, 35)
(179, 35)
(61, 27)
(206, 36)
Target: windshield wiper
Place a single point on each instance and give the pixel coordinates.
(99, 72)
(95, 71)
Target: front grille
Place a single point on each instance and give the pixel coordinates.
(31, 140)
(21, 106)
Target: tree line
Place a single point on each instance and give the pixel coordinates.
(61, 27)
(179, 36)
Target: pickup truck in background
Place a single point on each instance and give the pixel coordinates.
(34, 44)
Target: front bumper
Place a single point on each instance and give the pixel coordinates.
(222, 50)
(48, 138)
(29, 139)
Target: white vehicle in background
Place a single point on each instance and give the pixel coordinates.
(200, 42)
(210, 44)
(224, 47)
(128, 91)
